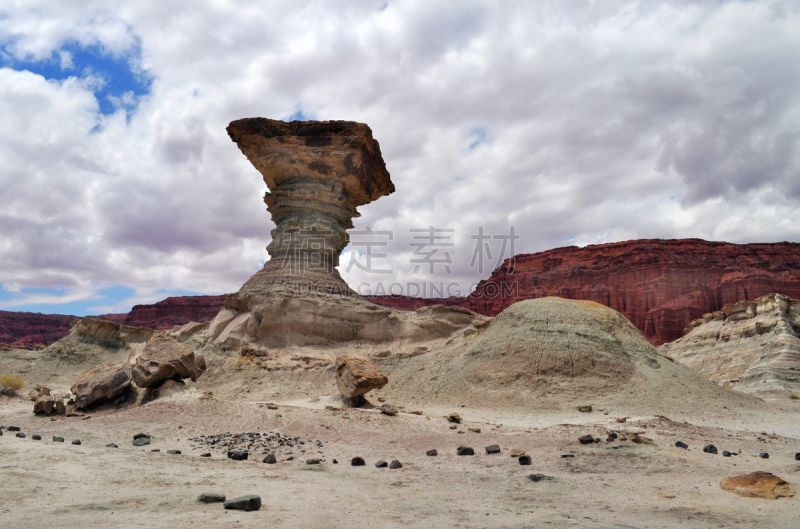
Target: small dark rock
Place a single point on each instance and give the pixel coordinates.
(36, 437)
(357, 462)
(681, 444)
(763, 455)
(524, 460)
(155, 450)
(335, 462)
(710, 449)
(454, 417)
(141, 441)
(381, 464)
(205, 455)
(797, 456)
(434, 453)
(211, 497)
(58, 439)
(270, 459)
(493, 449)
(612, 436)
(567, 455)
(465, 451)
(21, 435)
(596, 439)
(395, 464)
(141, 436)
(76, 442)
(13, 428)
(536, 478)
(725, 453)
(174, 452)
(313, 461)
(245, 503)
(111, 445)
(388, 409)
(238, 455)
(290, 458)
(586, 439)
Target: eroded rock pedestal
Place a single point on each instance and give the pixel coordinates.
(318, 173)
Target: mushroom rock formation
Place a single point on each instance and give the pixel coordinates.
(318, 173)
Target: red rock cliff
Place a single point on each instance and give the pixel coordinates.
(170, 312)
(26, 330)
(659, 285)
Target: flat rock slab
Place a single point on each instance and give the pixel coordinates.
(142, 441)
(758, 485)
(244, 503)
(493, 449)
(211, 497)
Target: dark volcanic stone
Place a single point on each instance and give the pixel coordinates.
(205, 455)
(76, 442)
(586, 439)
(434, 453)
(335, 462)
(395, 464)
(58, 439)
(681, 444)
(111, 445)
(270, 459)
(237, 455)
(567, 455)
(357, 462)
(524, 460)
(155, 450)
(725, 453)
(141, 436)
(536, 478)
(710, 449)
(763, 455)
(465, 451)
(313, 461)
(13, 428)
(174, 452)
(141, 441)
(245, 503)
(797, 456)
(381, 464)
(21, 435)
(36, 437)
(211, 497)
(611, 437)
(493, 449)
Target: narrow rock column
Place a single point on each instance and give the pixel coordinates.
(318, 173)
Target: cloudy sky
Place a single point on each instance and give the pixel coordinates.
(572, 122)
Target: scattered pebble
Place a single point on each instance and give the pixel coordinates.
(586, 439)
(434, 453)
(725, 453)
(381, 464)
(763, 455)
(174, 452)
(681, 444)
(313, 461)
(111, 445)
(388, 409)
(525, 460)
(205, 455)
(465, 451)
(493, 449)
(58, 439)
(395, 464)
(238, 455)
(584, 409)
(13, 428)
(335, 462)
(76, 442)
(454, 417)
(536, 478)
(357, 462)
(36, 437)
(270, 459)
(21, 435)
(516, 452)
(710, 449)
(141, 441)
(211, 497)
(244, 503)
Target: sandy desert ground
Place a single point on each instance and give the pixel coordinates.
(611, 484)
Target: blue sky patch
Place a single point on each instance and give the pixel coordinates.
(113, 298)
(120, 84)
(298, 115)
(477, 136)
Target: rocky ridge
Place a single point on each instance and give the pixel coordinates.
(750, 346)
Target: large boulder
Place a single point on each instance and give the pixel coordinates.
(165, 358)
(355, 377)
(758, 485)
(106, 381)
